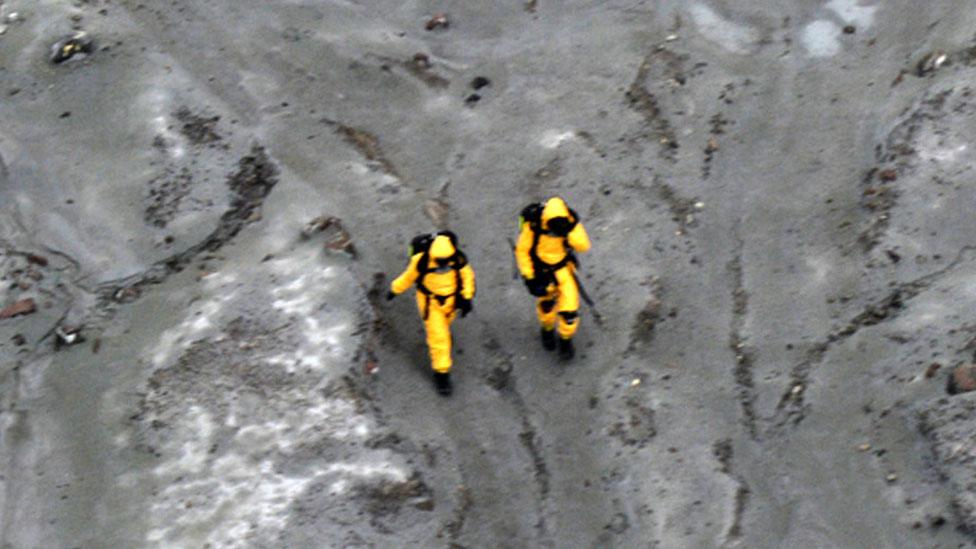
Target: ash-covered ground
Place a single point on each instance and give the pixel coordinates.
(202, 204)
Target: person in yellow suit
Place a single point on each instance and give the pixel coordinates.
(549, 236)
(445, 285)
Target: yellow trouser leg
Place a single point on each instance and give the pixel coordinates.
(438, 327)
(545, 308)
(567, 303)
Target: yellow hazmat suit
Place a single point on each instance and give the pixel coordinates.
(543, 254)
(444, 286)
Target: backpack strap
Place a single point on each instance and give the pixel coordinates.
(421, 243)
(532, 214)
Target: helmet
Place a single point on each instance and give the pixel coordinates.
(442, 247)
(555, 216)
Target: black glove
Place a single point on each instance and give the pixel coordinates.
(536, 286)
(465, 306)
(390, 296)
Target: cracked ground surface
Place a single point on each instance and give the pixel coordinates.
(779, 199)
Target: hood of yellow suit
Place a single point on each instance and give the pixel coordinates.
(555, 207)
(442, 248)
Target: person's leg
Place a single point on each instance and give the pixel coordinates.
(545, 308)
(438, 326)
(567, 310)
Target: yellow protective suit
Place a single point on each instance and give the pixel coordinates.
(561, 302)
(437, 294)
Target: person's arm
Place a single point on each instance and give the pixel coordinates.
(467, 282)
(408, 277)
(578, 240)
(522, 249)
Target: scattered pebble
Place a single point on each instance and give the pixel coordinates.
(371, 367)
(891, 477)
(439, 20)
(931, 370)
(850, 29)
(472, 99)
(671, 38)
(864, 447)
(636, 381)
(699, 205)
(797, 389)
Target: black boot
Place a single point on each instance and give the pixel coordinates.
(566, 351)
(548, 339)
(443, 383)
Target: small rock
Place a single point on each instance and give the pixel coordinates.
(425, 504)
(850, 29)
(439, 20)
(864, 447)
(22, 307)
(68, 335)
(37, 260)
(635, 382)
(891, 477)
(371, 367)
(797, 389)
(472, 99)
(479, 82)
(931, 63)
(13, 17)
(78, 44)
(962, 379)
(931, 370)
(338, 238)
(19, 339)
(317, 225)
(671, 38)
(126, 295)
(421, 60)
(711, 146)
